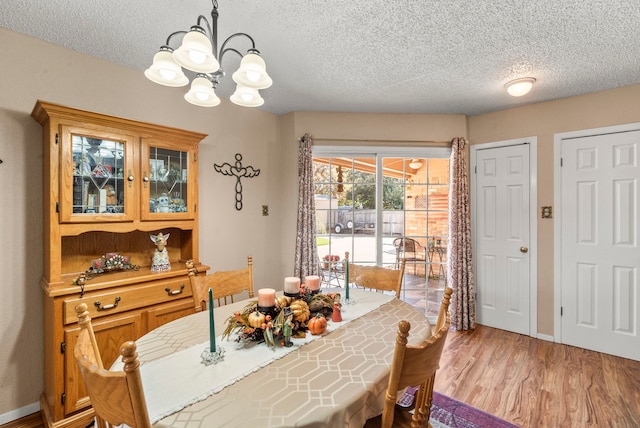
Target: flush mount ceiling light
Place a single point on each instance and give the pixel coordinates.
(199, 54)
(415, 164)
(520, 87)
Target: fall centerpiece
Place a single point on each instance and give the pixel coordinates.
(289, 317)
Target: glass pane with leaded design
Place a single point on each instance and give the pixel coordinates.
(98, 175)
(168, 180)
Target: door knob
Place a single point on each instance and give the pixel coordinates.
(524, 249)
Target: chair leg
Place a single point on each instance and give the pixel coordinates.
(419, 418)
(428, 399)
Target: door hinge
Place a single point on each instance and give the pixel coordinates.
(63, 398)
(63, 347)
(475, 169)
(57, 138)
(561, 162)
(561, 310)
(57, 207)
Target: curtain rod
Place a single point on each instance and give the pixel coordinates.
(379, 141)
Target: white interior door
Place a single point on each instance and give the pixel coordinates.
(502, 237)
(600, 297)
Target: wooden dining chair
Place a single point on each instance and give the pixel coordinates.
(376, 277)
(225, 284)
(117, 397)
(414, 365)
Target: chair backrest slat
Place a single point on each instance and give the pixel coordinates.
(225, 284)
(376, 277)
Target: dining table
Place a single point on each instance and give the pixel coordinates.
(337, 379)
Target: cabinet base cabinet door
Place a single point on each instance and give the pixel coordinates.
(110, 334)
(168, 312)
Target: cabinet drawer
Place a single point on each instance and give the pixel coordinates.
(103, 303)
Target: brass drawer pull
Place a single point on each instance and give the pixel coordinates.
(174, 292)
(105, 307)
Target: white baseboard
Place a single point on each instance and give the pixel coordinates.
(19, 413)
(545, 337)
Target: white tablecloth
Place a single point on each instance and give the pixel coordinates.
(176, 381)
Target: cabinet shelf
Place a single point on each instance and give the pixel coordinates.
(118, 279)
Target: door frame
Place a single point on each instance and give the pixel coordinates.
(557, 218)
(533, 219)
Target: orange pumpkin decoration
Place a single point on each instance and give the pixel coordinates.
(256, 319)
(300, 310)
(317, 325)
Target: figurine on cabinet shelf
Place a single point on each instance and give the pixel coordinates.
(160, 262)
(162, 203)
(111, 196)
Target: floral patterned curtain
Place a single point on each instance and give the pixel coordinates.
(306, 262)
(460, 267)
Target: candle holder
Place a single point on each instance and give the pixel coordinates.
(294, 295)
(348, 300)
(214, 357)
(267, 310)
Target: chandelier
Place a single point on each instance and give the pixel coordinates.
(199, 54)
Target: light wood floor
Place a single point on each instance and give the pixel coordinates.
(536, 383)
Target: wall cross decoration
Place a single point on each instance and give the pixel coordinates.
(239, 172)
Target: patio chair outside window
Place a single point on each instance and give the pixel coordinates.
(410, 250)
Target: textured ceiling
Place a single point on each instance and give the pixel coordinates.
(405, 56)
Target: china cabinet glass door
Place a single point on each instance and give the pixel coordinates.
(97, 180)
(167, 178)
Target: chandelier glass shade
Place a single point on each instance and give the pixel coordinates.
(198, 53)
(252, 72)
(246, 97)
(202, 93)
(165, 71)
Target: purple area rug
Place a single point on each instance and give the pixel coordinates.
(449, 413)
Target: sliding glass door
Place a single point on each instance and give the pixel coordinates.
(381, 208)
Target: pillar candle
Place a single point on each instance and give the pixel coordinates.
(292, 285)
(212, 328)
(266, 297)
(312, 282)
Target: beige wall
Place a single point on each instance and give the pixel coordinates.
(607, 108)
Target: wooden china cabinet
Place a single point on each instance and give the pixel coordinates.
(110, 183)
